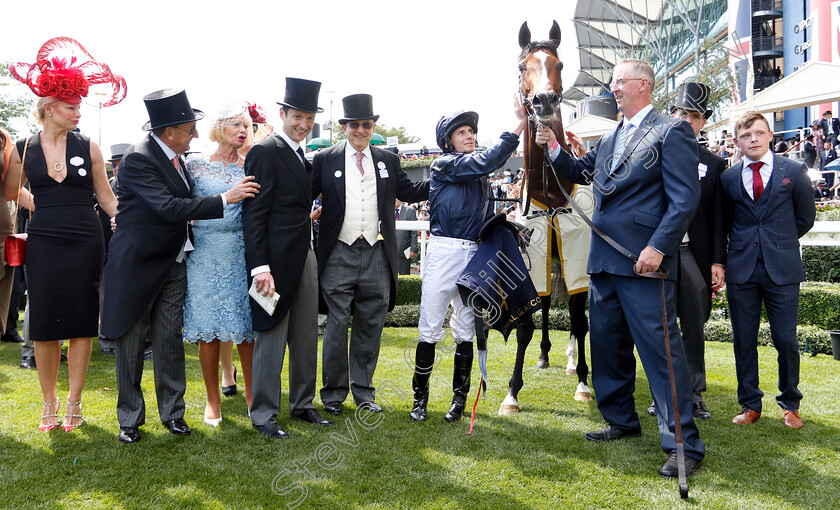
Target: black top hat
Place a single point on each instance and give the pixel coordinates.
(694, 97)
(358, 107)
(118, 150)
(302, 95)
(169, 107)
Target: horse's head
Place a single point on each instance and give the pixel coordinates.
(539, 74)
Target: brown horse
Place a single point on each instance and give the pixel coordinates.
(541, 90)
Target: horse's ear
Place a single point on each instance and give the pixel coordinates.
(553, 34)
(525, 35)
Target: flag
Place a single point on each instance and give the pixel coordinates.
(497, 278)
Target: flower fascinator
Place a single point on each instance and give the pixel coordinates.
(63, 69)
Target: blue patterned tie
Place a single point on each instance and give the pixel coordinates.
(618, 148)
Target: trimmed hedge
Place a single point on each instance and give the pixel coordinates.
(409, 289)
(811, 338)
(819, 305)
(821, 263)
(407, 316)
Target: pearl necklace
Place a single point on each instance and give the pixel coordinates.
(238, 157)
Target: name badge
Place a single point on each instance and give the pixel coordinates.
(337, 174)
(702, 169)
(383, 173)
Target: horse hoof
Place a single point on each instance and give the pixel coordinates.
(583, 396)
(509, 406)
(508, 410)
(543, 363)
(571, 371)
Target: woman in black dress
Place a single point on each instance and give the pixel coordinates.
(65, 249)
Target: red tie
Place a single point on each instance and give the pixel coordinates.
(175, 162)
(359, 157)
(758, 184)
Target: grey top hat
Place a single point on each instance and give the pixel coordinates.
(302, 95)
(358, 107)
(169, 107)
(118, 150)
(694, 97)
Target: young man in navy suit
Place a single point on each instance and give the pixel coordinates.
(769, 206)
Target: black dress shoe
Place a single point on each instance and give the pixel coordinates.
(109, 352)
(129, 435)
(700, 411)
(13, 337)
(177, 426)
(230, 391)
(272, 430)
(333, 407)
(651, 410)
(312, 416)
(371, 406)
(27, 362)
(611, 433)
(671, 470)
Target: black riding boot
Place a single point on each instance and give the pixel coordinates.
(423, 364)
(460, 380)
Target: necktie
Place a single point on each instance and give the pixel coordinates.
(396, 214)
(618, 148)
(302, 157)
(175, 162)
(758, 184)
(359, 157)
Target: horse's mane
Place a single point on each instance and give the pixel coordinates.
(551, 46)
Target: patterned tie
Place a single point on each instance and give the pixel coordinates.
(175, 162)
(618, 148)
(758, 184)
(359, 157)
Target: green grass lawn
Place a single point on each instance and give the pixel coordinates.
(537, 459)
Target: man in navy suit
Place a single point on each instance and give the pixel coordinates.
(646, 191)
(769, 205)
(830, 127)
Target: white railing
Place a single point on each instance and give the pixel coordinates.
(415, 225)
(823, 233)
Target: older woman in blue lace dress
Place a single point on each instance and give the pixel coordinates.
(217, 306)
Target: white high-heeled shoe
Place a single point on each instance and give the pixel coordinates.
(213, 422)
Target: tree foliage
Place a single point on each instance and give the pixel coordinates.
(11, 107)
(382, 129)
(711, 69)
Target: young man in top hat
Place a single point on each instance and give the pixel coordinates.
(277, 229)
(703, 248)
(769, 205)
(357, 251)
(146, 282)
(459, 206)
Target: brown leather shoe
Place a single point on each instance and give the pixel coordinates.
(792, 419)
(747, 417)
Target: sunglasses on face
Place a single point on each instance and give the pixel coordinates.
(355, 124)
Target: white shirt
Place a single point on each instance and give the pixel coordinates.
(361, 211)
(765, 171)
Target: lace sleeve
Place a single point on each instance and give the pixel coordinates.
(197, 167)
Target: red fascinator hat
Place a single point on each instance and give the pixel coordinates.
(65, 70)
(262, 129)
